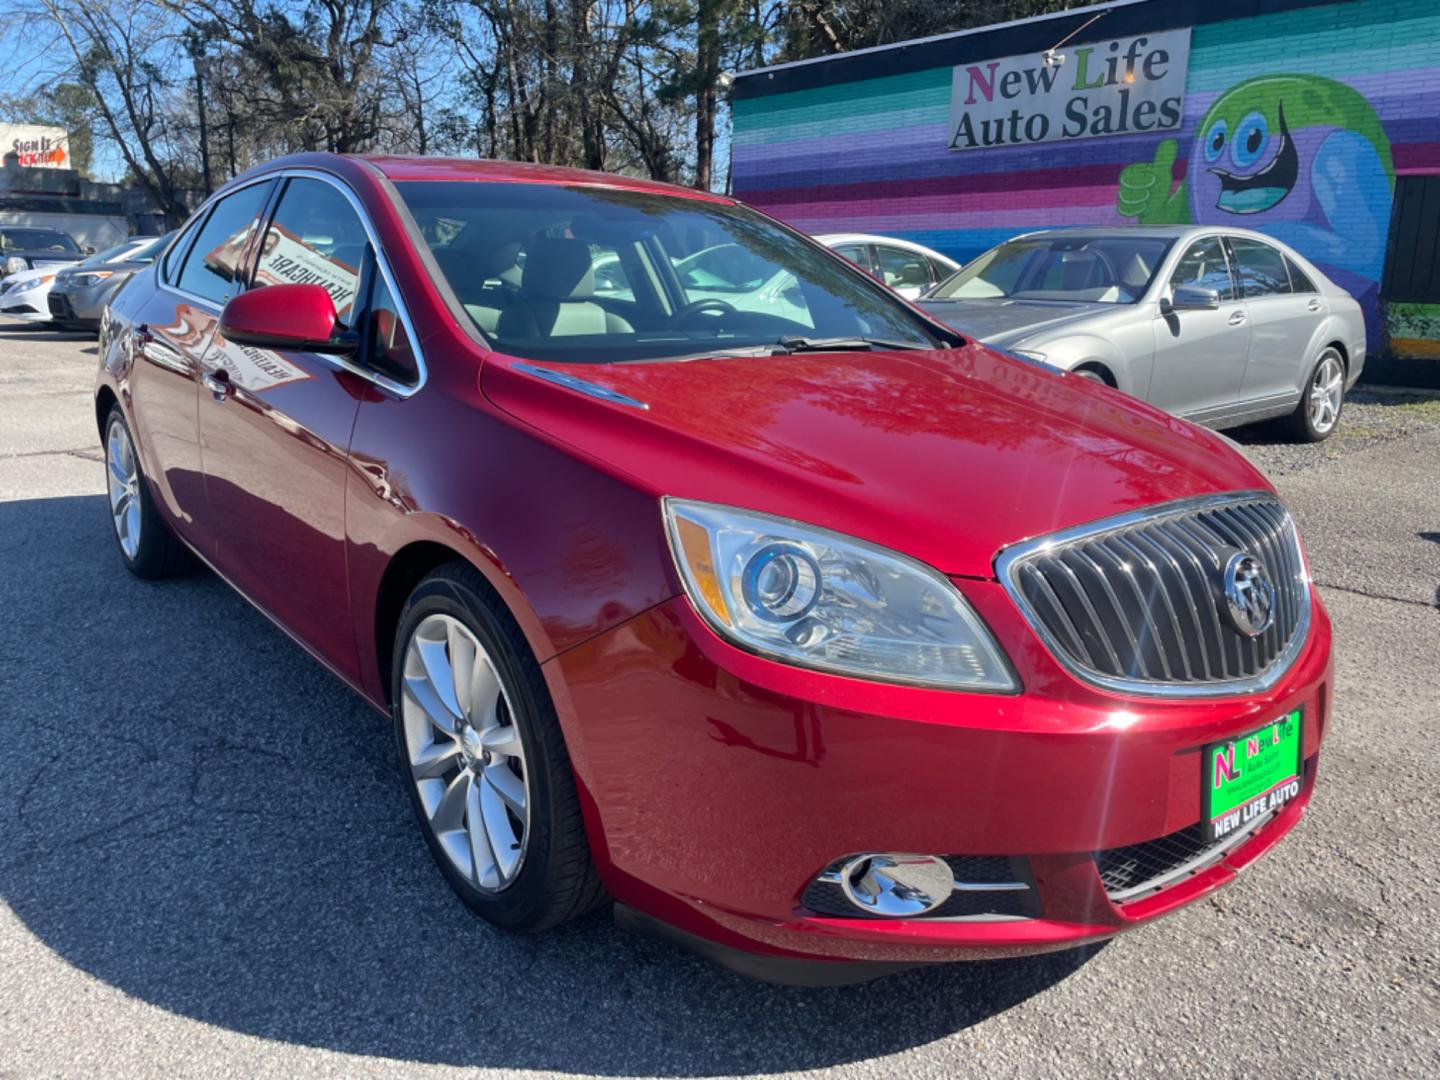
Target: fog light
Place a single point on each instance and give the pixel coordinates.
(897, 885)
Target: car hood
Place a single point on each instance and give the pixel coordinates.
(947, 456)
(46, 256)
(1006, 322)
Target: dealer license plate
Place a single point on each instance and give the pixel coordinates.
(1247, 777)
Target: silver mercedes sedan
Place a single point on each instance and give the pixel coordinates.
(1220, 326)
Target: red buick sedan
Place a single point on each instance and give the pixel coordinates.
(699, 573)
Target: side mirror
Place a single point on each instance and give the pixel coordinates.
(88, 249)
(1194, 298)
(294, 318)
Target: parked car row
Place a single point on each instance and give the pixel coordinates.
(71, 293)
(818, 636)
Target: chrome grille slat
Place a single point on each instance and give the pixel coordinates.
(1181, 652)
(1137, 603)
(1189, 605)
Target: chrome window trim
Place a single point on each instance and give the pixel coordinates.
(1009, 560)
(389, 385)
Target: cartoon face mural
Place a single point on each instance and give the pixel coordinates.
(1300, 157)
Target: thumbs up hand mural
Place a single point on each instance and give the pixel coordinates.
(1145, 190)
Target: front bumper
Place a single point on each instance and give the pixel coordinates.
(718, 784)
(80, 306)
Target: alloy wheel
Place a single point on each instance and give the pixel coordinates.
(1327, 389)
(123, 476)
(464, 751)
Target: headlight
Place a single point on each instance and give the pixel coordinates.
(1030, 354)
(16, 265)
(90, 277)
(26, 286)
(817, 599)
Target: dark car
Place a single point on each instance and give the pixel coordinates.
(33, 248)
(80, 293)
(822, 634)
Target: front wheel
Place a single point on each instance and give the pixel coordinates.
(485, 762)
(1324, 397)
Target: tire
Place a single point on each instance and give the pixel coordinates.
(463, 785)
(1092, 375)
(1321, 402)
(157, 552)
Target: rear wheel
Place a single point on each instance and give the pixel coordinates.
(485, 762)
(1320, 405)
(148, 547)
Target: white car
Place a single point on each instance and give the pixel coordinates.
(26, 295)
(905, 266)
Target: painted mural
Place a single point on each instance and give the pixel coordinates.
(1303, 158)
(1294, 123)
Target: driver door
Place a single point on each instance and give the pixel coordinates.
(275, 432)
(1200, 356)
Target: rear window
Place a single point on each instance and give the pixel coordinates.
(37, 240)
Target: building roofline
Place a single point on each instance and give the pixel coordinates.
(1068, 13)
(1018, 37)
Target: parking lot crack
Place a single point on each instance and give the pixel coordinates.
(1411, 601)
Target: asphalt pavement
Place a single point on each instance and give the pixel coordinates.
(208, 865)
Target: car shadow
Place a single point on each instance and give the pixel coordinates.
(200, 816)
(16, 328)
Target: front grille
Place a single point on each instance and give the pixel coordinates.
(1137, 603)
(60, 307)
(824, 896)
(1140, 870)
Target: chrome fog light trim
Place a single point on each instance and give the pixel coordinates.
(897, 885)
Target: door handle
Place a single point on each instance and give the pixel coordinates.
(218, 383)
(1314, 305)
(1236, 318)
(140, 336)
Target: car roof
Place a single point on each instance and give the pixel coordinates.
(1157, 232)
(401, 169)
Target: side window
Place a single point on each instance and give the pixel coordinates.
(901, 269)
(1203, 264)
(213, 265)
(1299, 283)
(170, 265)
(940, 270)
(387, 346)
(857, 254)
(1260, 267)
(611, 281)
(315, 238)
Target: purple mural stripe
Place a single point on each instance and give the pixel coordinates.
(1057, 187)
(1417, 157)
(819, 218)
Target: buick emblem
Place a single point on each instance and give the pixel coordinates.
(1249, 595)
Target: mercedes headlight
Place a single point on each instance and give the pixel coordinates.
(814, 598)
(16, 265)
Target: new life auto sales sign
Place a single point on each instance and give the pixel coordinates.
(1123, 87)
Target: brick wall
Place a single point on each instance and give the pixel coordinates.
(872, 155)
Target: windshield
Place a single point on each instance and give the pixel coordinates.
(1104, 269)
(151, 251)
(37, 240)
(599, 275)
(109, 254)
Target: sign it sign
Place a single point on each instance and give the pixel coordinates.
(1124, 87)
(35, 146)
